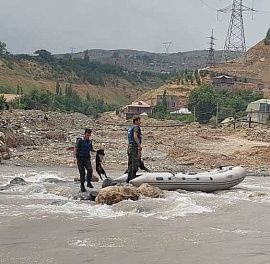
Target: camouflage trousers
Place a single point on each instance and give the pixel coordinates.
(133, 161)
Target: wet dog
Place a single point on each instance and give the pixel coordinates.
(99, 157)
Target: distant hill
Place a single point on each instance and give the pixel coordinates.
(112, 83)
(146, 61)
(117, 76)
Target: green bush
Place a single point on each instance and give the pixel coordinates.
(70, 102)
(2, 102)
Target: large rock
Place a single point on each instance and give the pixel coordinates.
(148, 190)
(18, 180)
(115, 194)
(2, 137)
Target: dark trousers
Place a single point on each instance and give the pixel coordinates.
(141, 166)
(85, 164)
(133, 161)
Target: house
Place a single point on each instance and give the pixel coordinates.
(181, 111)
(173, 101)
(259, 111)
(137, 108)
(232, 83)
(223, 82)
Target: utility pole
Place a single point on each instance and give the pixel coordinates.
(235, 40)
(217, 114)
(211, 52)
(72, 50)
(167, 46)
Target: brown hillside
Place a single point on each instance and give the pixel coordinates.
(30, 75)
(257, 67)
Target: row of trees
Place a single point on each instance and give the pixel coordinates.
(188, 77)
(70, 102)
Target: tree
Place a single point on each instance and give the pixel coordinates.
(3, 50)
(57, 88)
(68, 90)
(2, 102)
(160, 110)
(197, 77)
(44, 56)
(203, 100)
(86, 56)
(18, 89)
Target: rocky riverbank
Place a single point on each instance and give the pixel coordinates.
(38, 139)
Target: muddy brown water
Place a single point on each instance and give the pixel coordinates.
(38, 225)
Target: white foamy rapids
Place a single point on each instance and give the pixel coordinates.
(35, 176)
(174, 205)
(30, 176)
(77, 209)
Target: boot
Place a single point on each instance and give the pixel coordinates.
(89, 185)
(83, 188)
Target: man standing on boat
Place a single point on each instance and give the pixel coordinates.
(82, 157)
(134, 147)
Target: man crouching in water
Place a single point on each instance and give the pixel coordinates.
(82, 157)
(134, 147)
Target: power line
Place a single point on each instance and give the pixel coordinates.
(207, 5)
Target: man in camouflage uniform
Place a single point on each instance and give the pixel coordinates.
(134, 147)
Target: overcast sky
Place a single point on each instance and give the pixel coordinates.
(58, 25)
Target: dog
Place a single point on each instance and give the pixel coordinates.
(99, 157)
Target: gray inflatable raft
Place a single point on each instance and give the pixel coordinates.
(218, 179)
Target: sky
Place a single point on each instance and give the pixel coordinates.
(59, 25)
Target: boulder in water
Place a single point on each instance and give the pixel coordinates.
(148, 190)
(257, 195)
(18, 180)
(52, 180)
(91, 195)
(108, 182)
(115, 194)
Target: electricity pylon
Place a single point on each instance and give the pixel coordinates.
(235, 41)
(211, 52)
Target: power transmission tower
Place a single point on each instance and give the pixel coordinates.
(167, 46)
(211, 52)
(72, 50)
(235, 40)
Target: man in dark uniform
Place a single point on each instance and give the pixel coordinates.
(134, 147)
(82, 157)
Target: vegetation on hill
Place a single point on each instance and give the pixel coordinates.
(68, 102)
(79, 70)
(113, 83)
(2, 102)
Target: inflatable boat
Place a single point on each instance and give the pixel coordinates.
(213, 180)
